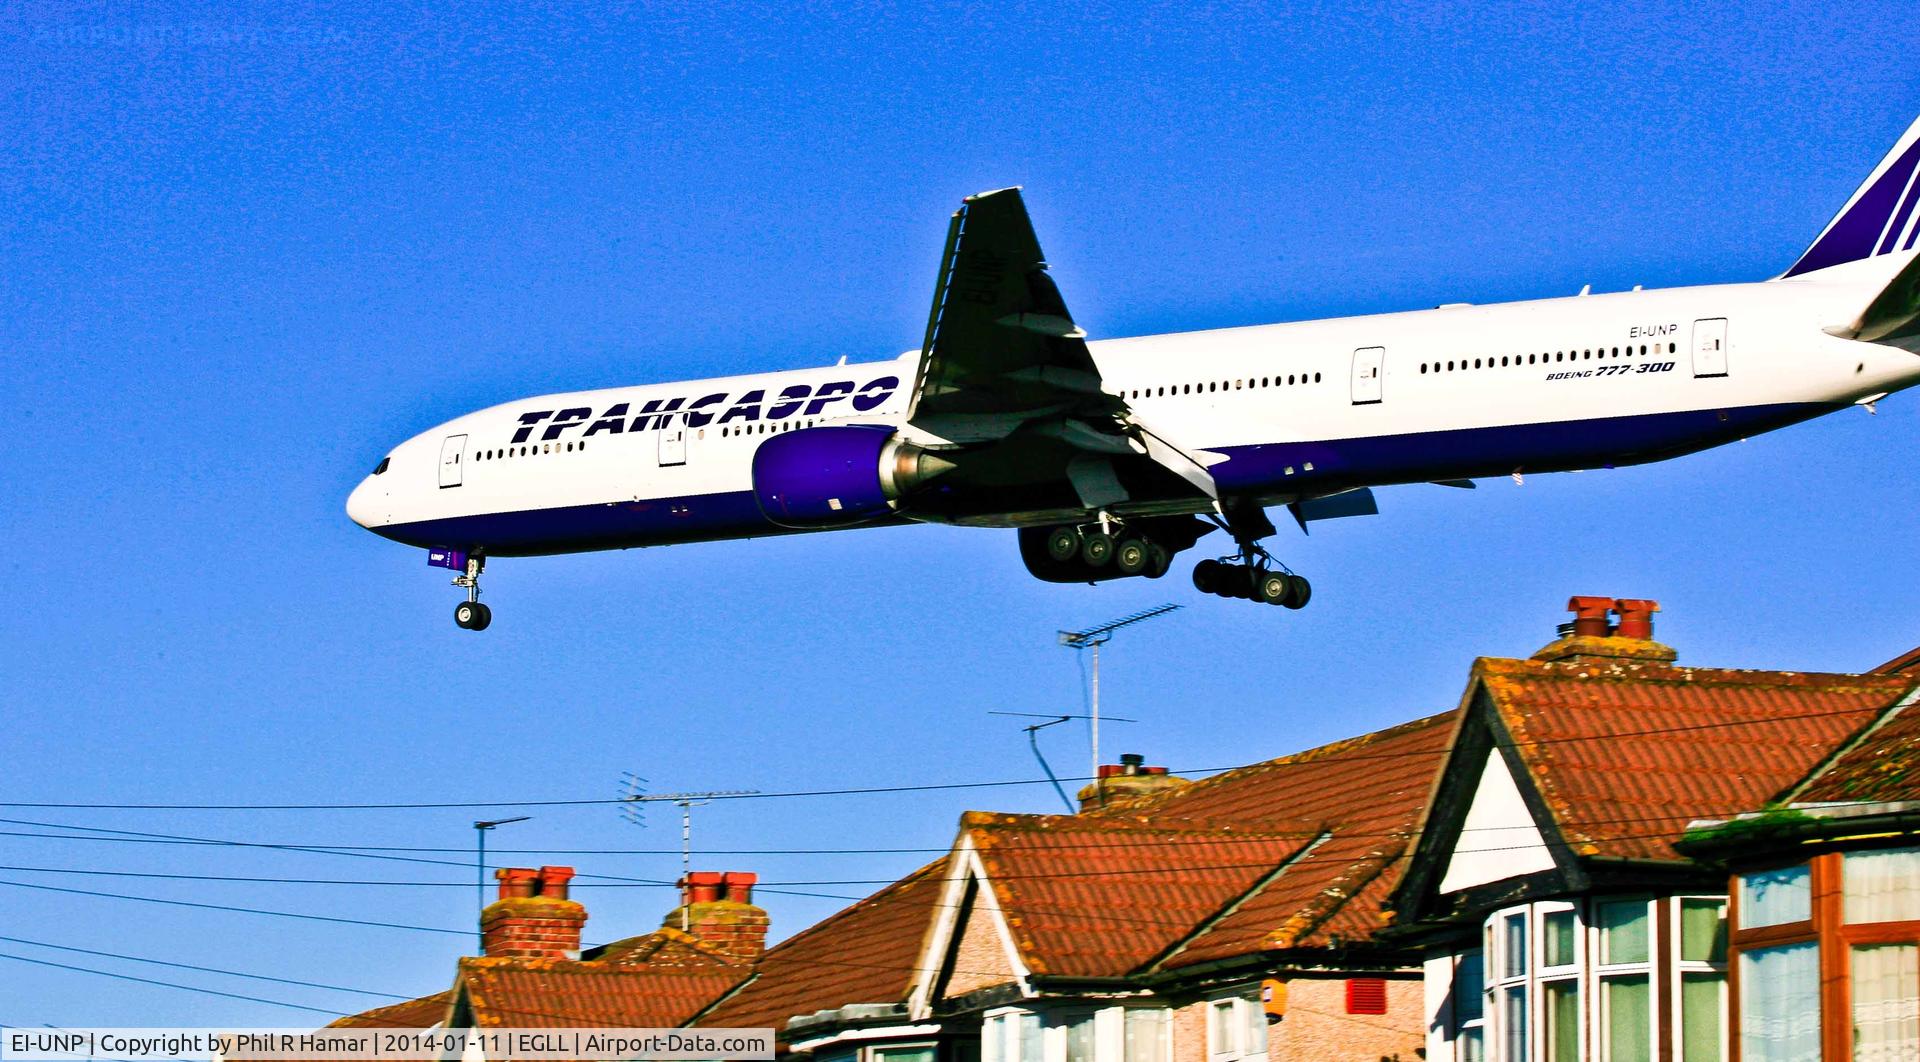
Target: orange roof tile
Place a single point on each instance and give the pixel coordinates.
(511, 993)
(1091, 896)
(1626, 754)
(1882, 765)
(422, 1013)
(866, 953)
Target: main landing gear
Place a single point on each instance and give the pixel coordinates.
(1102, 550)
(1253, 575)
(470, 614)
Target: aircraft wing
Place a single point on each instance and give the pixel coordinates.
(1004, 365)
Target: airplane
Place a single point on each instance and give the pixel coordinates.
(1109, 458)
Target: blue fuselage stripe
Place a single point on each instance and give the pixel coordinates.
(1257, 470)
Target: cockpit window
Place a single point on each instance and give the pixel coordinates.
(382, 466)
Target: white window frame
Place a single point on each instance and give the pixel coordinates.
(1681, 967)
(1003, 1045)
(1241, 1012)
(1654, 968)
(1000, 1031)
(1540, 974)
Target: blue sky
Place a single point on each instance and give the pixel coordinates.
(244, 251)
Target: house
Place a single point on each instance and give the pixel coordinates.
(1561, 917)
(1541, 874)
(1824, 927)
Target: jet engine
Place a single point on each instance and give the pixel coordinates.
(838, 476)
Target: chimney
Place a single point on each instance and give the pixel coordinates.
(719, 909)
(533, 918)
(1131, 777)
(1593, 636)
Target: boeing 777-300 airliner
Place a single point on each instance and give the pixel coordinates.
(1111, 457)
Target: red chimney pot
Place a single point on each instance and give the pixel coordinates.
(1590, 616)
(702, 886)
(740, 886)
(1636, 617)
(517, 882)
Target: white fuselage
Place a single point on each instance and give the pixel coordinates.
(1279, 411)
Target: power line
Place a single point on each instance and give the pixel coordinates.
(230, 907)
(170, 984)
(202, 969)
(1294, 760)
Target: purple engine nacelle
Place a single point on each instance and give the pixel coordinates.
(837, 476)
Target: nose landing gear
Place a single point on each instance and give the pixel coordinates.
(471, 615)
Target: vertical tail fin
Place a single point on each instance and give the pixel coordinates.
(1879, 219)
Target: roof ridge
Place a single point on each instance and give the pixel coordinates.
(1184, 824)
(1234, 903)
(1859, 737)
(1342, 890)
(1636, 670)
(1320, 753)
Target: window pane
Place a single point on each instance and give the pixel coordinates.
(1513, 1021)
(1514, 963)
(1473, 1045)
(1886, 1003)
(1560, 1011)
(1556, 945)
(1031, 1047)
(1220, 1027)
(1775, 897)
(1780, 1004)
(1700, 1037)
(903, 1054)
(1146, 1035)
(1703, 930)
(1623, 932)
(1256, 1032)
(1080, 1038)
(1628, 1019)
(1882, 886)
(1469, 986)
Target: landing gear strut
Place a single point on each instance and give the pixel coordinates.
(1253, 575)
(470, 614)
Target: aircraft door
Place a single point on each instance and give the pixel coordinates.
(451, 453)
(673, 441)
(1369, 364)
(1710, 347)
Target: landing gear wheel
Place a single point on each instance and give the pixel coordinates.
(1063, 543)
(1131, 556)
(1097, 549)
(1274, 588)
(472, 616)
(1236, 580)
(1299, 592)
(1206, 576)
(1159, 561)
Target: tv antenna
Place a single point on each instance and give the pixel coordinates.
(634, 798)
(1093, 638)
(1033, 741)
(480, 863)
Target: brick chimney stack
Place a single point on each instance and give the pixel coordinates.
(1131, 777)
(719, 909)
(533, 918)
(1594, 636)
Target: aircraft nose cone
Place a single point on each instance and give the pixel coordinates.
(360, 505)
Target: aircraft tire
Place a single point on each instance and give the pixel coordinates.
(1273, 588)
(1096, 549)
(1063, 543)
(1299, 592)
(1132, 556)
(1206, 576)
(1159, 561)
(472, 616)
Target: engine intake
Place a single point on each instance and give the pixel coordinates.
(838, 476)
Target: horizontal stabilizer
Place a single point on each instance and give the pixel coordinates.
(1359, 502)
(1463, 484)
(1893, 318)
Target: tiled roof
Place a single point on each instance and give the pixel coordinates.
(422, 1013)
(1365, 794)
(511, 993)
(1088, 896)
(1882, 765)
(1625, 754)
(865, 953)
